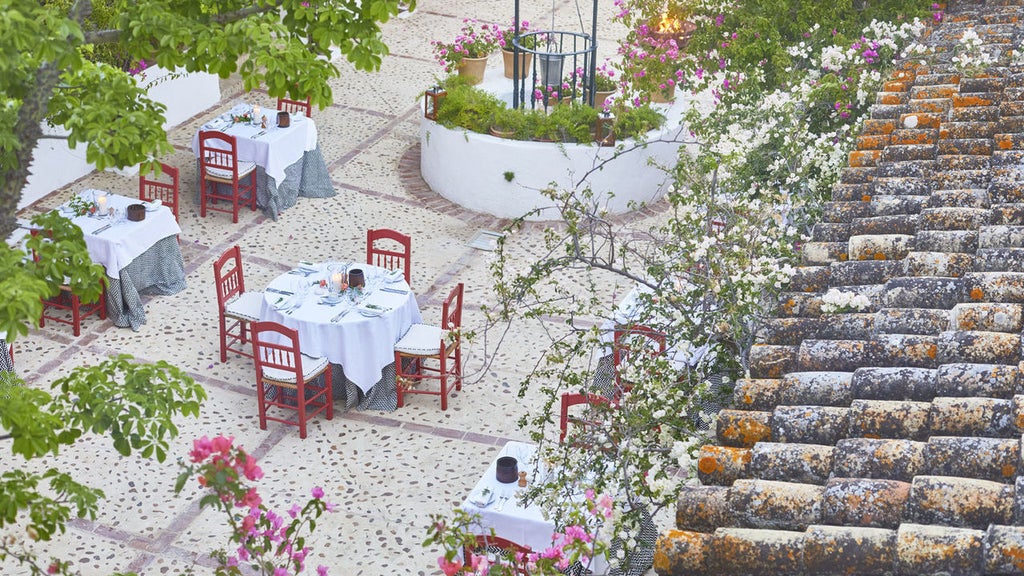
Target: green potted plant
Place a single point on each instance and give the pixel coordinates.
(575, 122)
(467, 107)
(604, 84)
(635, 122)
(510, 123)
(468, 53)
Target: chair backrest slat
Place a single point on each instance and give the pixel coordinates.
(167, 192)
(227, 271)
(290, 106)
(451, 311)
(218, 150)
(394, 251)
(276, 346)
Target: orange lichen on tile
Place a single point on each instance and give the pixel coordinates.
(977, 293)
(909, 138)
(1009, 470)
(970, 101)
(879, 256)
(864, 158)
(865, 198)
(890, 98)
(872, 142)
(895, 86)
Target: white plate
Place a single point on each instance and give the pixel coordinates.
(370, 313)
(331, 299)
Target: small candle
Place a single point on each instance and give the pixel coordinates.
(256, 111)
(336, 278)
(101, 203)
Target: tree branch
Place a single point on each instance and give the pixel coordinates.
(110, 36)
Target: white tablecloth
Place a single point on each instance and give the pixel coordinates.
(526, 526)
(274, 150)
(362, 345)
(125, 241)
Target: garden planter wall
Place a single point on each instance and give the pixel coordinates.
(477, 179)
(55, 165)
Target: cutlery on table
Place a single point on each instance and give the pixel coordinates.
(342, 315)
(501, 503)
(258, 134)
(301, 272)
(394, 291)
(101, 229)
(281, 292)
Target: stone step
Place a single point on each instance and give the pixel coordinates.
(809, 279)
(756, 393)
(999, 260)
(937, 79)
(924, 292)
(860, 272)
(896, 419)
(993, 287)
(830, 232)
(1013, 141)
(905, 224)
(978, 346)
(988, 316)
(891, 98)
(946, 241)
(848, 325)
(864, 158)
(922, 321)
(833, 355)
(865, 503)
(1011, 108)
(948, 264)
(967, 129)
(953, 218)
(1011, 124)
(815, 388)
(1010, 158)
(1001, 237)
(879, 246)
(872, 126)
(702, 508)
(922, 120)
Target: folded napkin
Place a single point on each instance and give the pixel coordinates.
(372, 310)
(482, 498)
(287, 303)
(216, 124)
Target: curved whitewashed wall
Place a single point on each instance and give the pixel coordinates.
(469, 169)
(54, 164)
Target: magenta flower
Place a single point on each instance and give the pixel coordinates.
(317, 493)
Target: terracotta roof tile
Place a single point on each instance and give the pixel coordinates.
(888, 441)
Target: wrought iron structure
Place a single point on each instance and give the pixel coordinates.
(552, 50)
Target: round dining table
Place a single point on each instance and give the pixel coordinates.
(354, 329)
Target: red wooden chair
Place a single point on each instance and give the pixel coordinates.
(586, 420)
(281, 367)
(292, 106)
(150, 188)
(499, 550)
(56, 308)
(394, 251)
(423, 343)
(219, 165)
(630, 340)
(235, 307)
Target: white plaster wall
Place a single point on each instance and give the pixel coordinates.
(469, 169)
(55, 165)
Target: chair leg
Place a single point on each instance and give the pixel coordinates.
(261, 402)
(76, 315)
(202, 198)
(300, 391)
(399, 374)
(443, 377)
(329, 393)
(224, 339)
(234, 206)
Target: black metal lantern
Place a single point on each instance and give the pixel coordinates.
(431, 100)
(604, 133)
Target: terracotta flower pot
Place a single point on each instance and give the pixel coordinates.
(473, 69)
(600, 97)
(525, 60)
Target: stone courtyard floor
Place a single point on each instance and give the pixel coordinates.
(386, 472)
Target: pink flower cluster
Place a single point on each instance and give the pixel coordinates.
(468, 43)
(264, 537)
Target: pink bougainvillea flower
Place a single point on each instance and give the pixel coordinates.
(317, 492)
(449, 568)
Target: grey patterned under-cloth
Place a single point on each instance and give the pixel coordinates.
(5, 357)
(159, 270)
(308, 177)
(382, 396)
